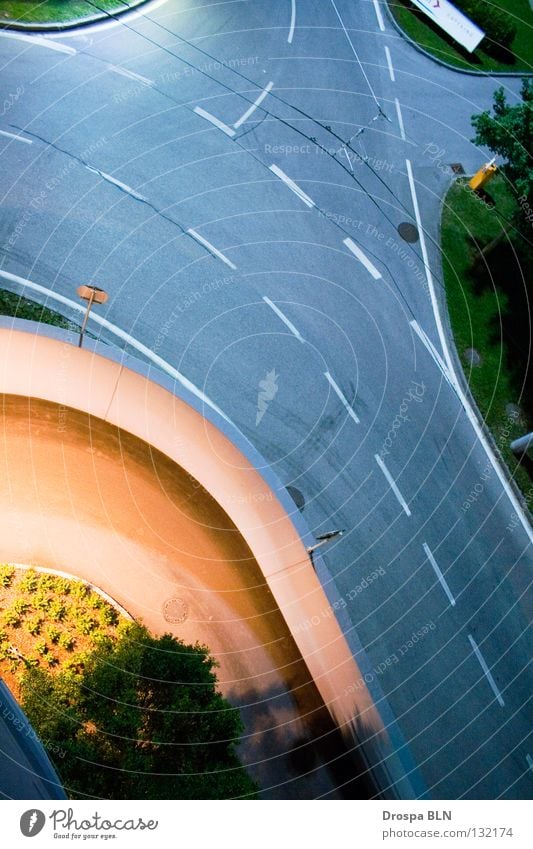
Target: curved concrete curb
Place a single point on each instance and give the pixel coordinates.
(121, 390)
(65, 26)
(60, 574)
(470, 72)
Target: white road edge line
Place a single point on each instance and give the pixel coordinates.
(114, 182)
(292, 185)
(13, 136)
(486, 670)
(211, 248)
(389, 64)
(357, 252)
(529, 760)
(451, 371)
(400, 118)
(39, 41)
(428, 344)
(254, 105)
(284, 319)
(293, 21)
(392, 483)
(131, 75)
(379, 16)
(438, 573)
(341, 397)
(212, 120)
(121, 334)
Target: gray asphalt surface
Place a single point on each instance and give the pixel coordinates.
(63, 223)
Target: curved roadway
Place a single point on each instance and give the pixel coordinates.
(234, 175)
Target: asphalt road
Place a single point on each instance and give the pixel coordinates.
(360, 415)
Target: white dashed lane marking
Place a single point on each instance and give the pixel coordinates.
(438, 573)
(39, 41)
(344, 401)
(114, 182)
(486, 671)
(284, 319)
(400, 118)
(293, 21)
(131, 75)
(16, 138)
(392, 484)
(211, 248)
(389, 64)
(292, 185)
(362, 257)
(379, 16)
(212, 120)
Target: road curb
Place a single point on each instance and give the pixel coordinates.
(76, 23)
(469, 72)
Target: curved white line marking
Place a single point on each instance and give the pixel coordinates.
(293, 21)
(121, 334)
(39, 41)
(254, 106)
(451, 369)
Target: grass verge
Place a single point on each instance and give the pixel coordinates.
(55, 11)
(433, 39)
(20, 307)
(488, 304)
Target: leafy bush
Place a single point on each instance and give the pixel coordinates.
(6, 575)
(34, 625)
(67, 641)
(29, 582)
(499, 28)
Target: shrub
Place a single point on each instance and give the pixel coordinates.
(498, 26)
(11, 618)
(67, 641)
(6, 575)
(33, 626)
(53, 634)
(29, 581)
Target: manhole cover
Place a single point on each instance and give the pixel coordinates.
(297, 497)
(175, 610)
(472, 357)
(457, 168)
(408, 232)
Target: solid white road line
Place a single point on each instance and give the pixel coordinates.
(486, 670)
(357, 252)
(293, 21)
(13, 136)
(428, 344)
(211, 248)
(292, 185)
(389, 64)
(39, 41)
(400, 118)
(379, 16)
(518, 509)
(438, 573)
(121, 334)
(114, 182)
(212, 120)
(284, 319)
(342, 398)
(131, 75)
(392, 483)
(529, 760)
(254, 105)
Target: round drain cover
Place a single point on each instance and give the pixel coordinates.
(175, 610)
(297, 497)
(408, 232)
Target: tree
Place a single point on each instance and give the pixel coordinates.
(141, 719)
(509, 133)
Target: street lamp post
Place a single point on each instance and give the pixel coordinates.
(93, 295)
